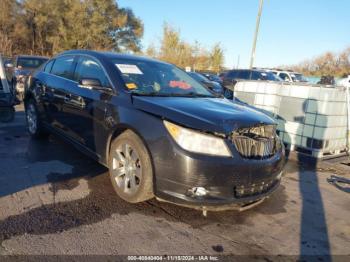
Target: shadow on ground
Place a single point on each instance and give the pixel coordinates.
(101, 202)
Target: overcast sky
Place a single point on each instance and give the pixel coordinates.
(290, 31)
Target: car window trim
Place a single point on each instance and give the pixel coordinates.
(76, 57)
(57, 57)
(48, 62)
(99, 63)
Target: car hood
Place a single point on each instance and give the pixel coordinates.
(207, 114)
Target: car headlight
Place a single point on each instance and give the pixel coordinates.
(194, 141)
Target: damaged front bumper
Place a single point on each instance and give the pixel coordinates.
(215, 183)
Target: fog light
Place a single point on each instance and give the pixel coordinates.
(198, 191)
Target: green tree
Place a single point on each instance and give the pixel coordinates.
(8, 14)
(336, 64)
(216, 58)
(51, 26)
(175, 50)
(151, 51)
(170, 45)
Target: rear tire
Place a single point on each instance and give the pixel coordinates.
(34, 124)
(130, 168)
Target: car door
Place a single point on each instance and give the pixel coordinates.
(57, 88)
(86, 105)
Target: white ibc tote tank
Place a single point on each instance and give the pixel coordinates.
(312, 119)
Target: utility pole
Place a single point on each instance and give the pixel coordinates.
(252, 58)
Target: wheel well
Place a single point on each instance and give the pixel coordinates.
(114, 135)
(118, 132)
(27, 97)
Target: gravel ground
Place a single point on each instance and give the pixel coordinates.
(54, 200)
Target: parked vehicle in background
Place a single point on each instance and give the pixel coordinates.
(327, 80)
(160, 132)
(290, 76)
(213, 86)
(213, 77)
(345, 81)
(230, 78)
(24, 65)
(7, 97)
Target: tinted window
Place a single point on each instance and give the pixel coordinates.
(30, 62)
(63, 67)
(48, 66)
(256, 76)
(270, 76)
(284, 76)
(244, 74)
(89, 68)
(232, 74)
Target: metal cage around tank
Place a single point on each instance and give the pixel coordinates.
(312, 119)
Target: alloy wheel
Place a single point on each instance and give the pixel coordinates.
(126, 169)
(32, 119)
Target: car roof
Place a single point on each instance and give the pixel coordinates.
(110, 55)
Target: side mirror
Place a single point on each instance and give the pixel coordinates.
(90, 82)
(94, 83)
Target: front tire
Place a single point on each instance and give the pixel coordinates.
(34, 124)
(130, 168)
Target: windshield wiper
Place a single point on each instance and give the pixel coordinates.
(191, 94)
(148, 94)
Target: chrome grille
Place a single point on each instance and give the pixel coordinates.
(256, 142)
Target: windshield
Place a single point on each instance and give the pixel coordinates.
(26, 62)
(158, 79)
